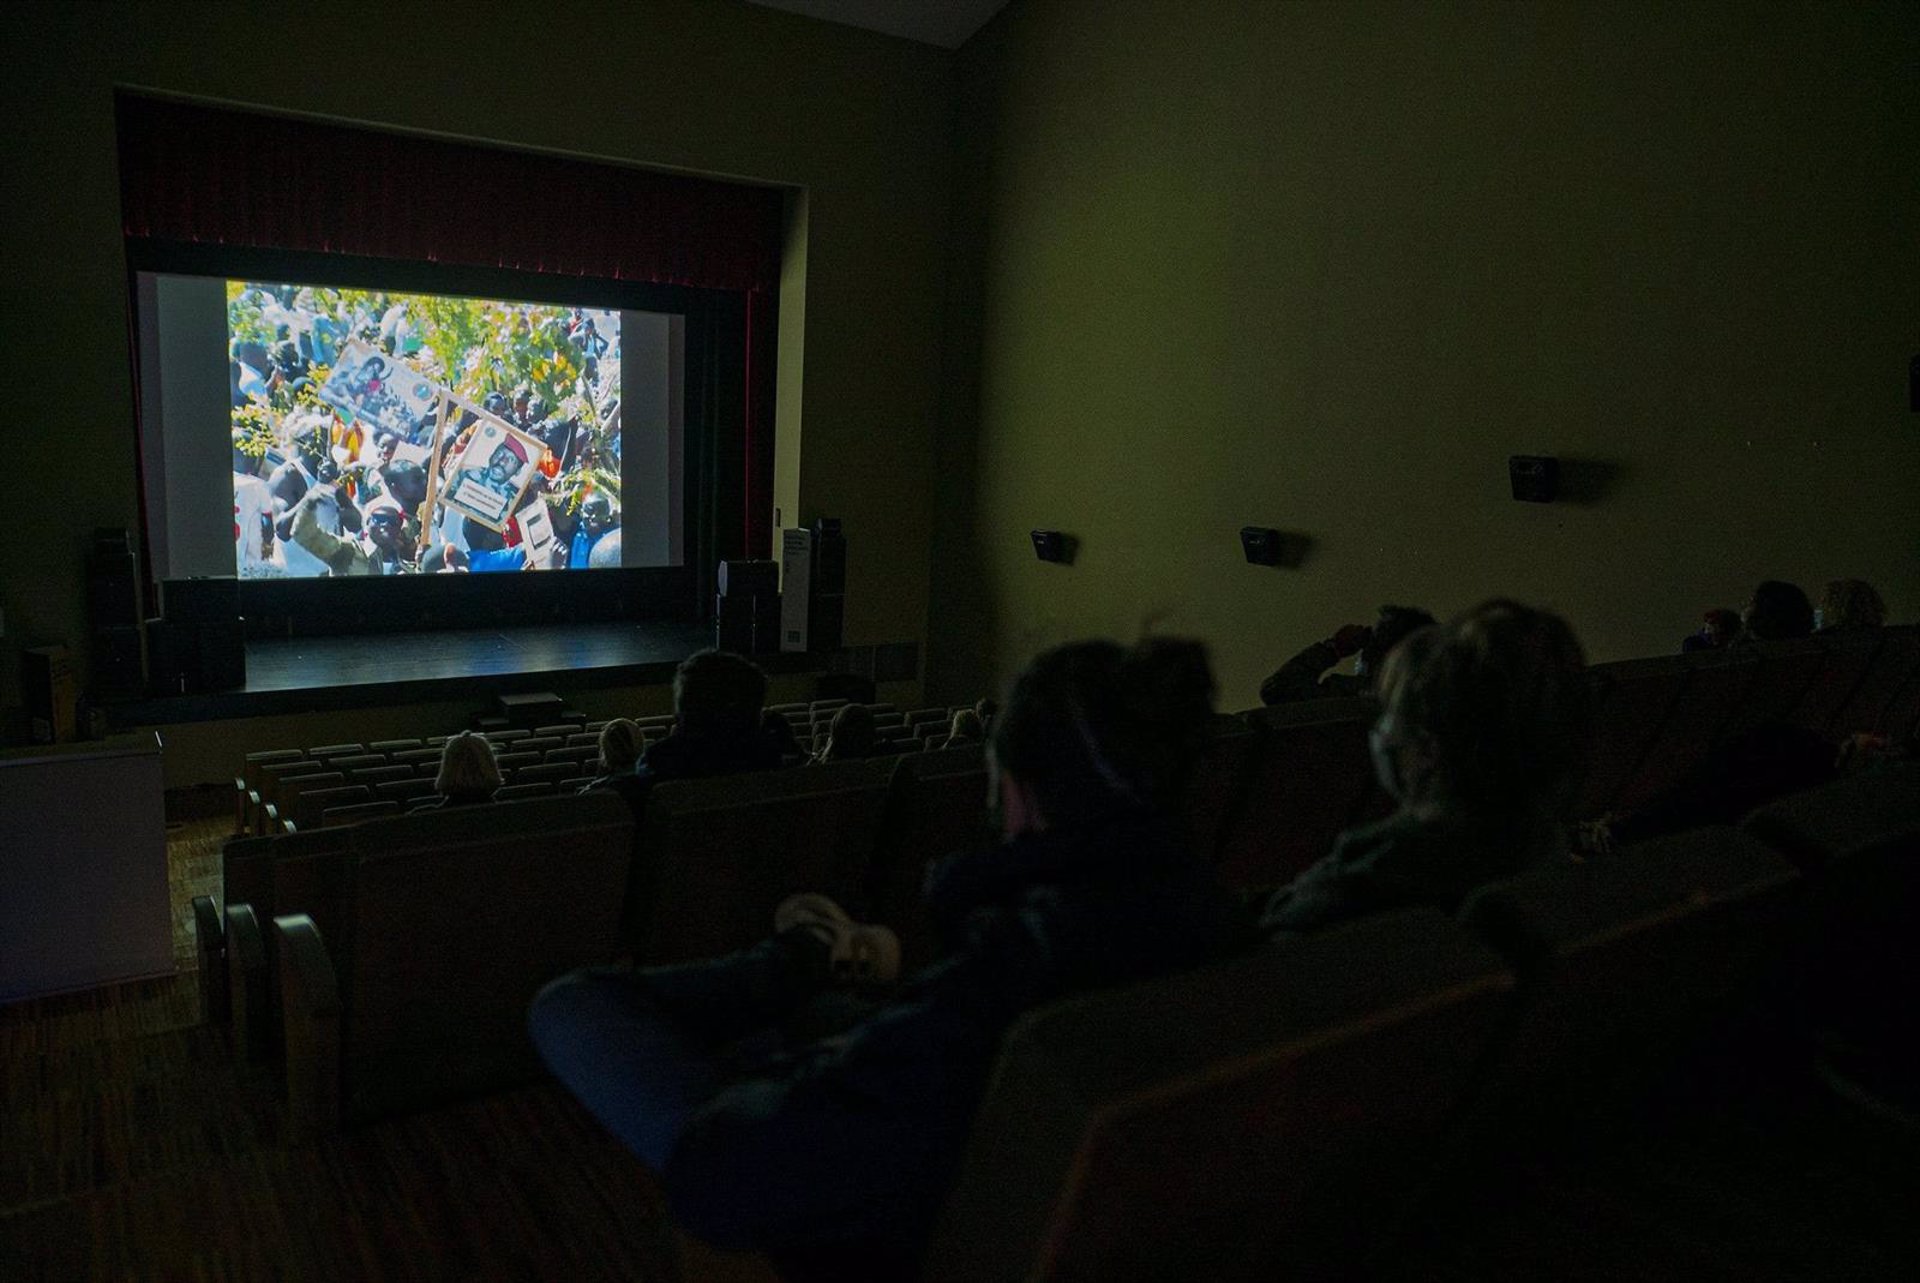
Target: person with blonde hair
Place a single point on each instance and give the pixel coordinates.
(1482, 741)
(468, 773)
(621, 744)
(965, 729)
(1849, 606)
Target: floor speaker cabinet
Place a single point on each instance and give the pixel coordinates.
(747, 625)
(113, 579)
(191, 658)
(117, 670)
(813, 591)
(48, 691)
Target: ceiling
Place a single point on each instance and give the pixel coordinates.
(946, 23)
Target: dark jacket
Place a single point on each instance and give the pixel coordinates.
(1407, 860)
(1300, 678)
(866, 1129)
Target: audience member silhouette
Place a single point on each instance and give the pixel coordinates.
(965, 729)
(1849, 606)
(468, 773)
(1718, 628)
(1301, 677)
(717, 704)
(1482, 739)
(828, 1153)
(780, 731)
(620, 747)
(850, 735)
(1777, 611)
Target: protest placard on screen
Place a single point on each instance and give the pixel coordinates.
(492, 468)
(373, 390)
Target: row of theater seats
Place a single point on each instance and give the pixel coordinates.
(286, 790)
(1317, 1077)
(564, 882)
(1274, 789)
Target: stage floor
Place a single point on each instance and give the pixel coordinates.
(308, 674)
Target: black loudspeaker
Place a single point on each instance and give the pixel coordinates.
(196, 601)
(813, 597)
(1261, 545)
(1913, 385)
(766, 625)
(1051, 545)
(733, 623)
(113, 593)
(192, 658)
(117, 672)
(222, 650)
(749, 579)
(1535, 478)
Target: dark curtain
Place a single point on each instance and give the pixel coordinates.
(198, 174)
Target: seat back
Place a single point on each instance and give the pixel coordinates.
(1847, 659)
(371, 775)
(289, 789)
(1859, 841)
(456, 919)
(1624, 963)
(524, 792)
(1219, 779)
(403, 791)
(1893, 663)
(1632, 701)
(359, 811)
(936, 806)
(1715, 687)
(310, 810)
(1231, 1122)
(718, 855)
(1310, 771)
(247, 865)
(1787, 671)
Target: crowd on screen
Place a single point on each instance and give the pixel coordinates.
(804, 1099)
(320, 493)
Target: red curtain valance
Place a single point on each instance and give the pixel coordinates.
(209, 175)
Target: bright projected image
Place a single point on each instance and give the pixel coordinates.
(377, 433)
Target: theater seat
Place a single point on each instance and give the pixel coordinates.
(1633, 699)
(454, 920)
(1256, 1119)
(1859, 841)
(1309, 773)
(1625, 964)
(716, 856)
(936, 807)
(354, 814)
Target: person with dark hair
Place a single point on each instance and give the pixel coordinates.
(717, 730)
(1718, 629)
(820, 1153)
(1482, 740)
(1849, 606)
(383, 546)
(1777, 611)
(1305, 676)
(468, 774)
(780, 731)
(986, 709)
(596, 520)
(850, 735)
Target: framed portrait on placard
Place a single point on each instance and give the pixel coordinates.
(377, 391)
(490, 475)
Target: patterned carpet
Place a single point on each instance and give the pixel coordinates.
(132, 1148)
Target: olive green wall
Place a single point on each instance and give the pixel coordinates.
(860, 121)
(1324, 266)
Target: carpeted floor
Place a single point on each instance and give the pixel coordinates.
(131, 1147)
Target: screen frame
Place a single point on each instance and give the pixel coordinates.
(713, 472)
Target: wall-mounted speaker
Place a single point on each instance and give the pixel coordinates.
(1535, 478)
(1052, 545)
(1260, 545)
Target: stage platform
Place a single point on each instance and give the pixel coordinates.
(312, 674)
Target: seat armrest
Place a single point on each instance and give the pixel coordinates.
(210, 946)
(310, 1019)
(246, 985)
